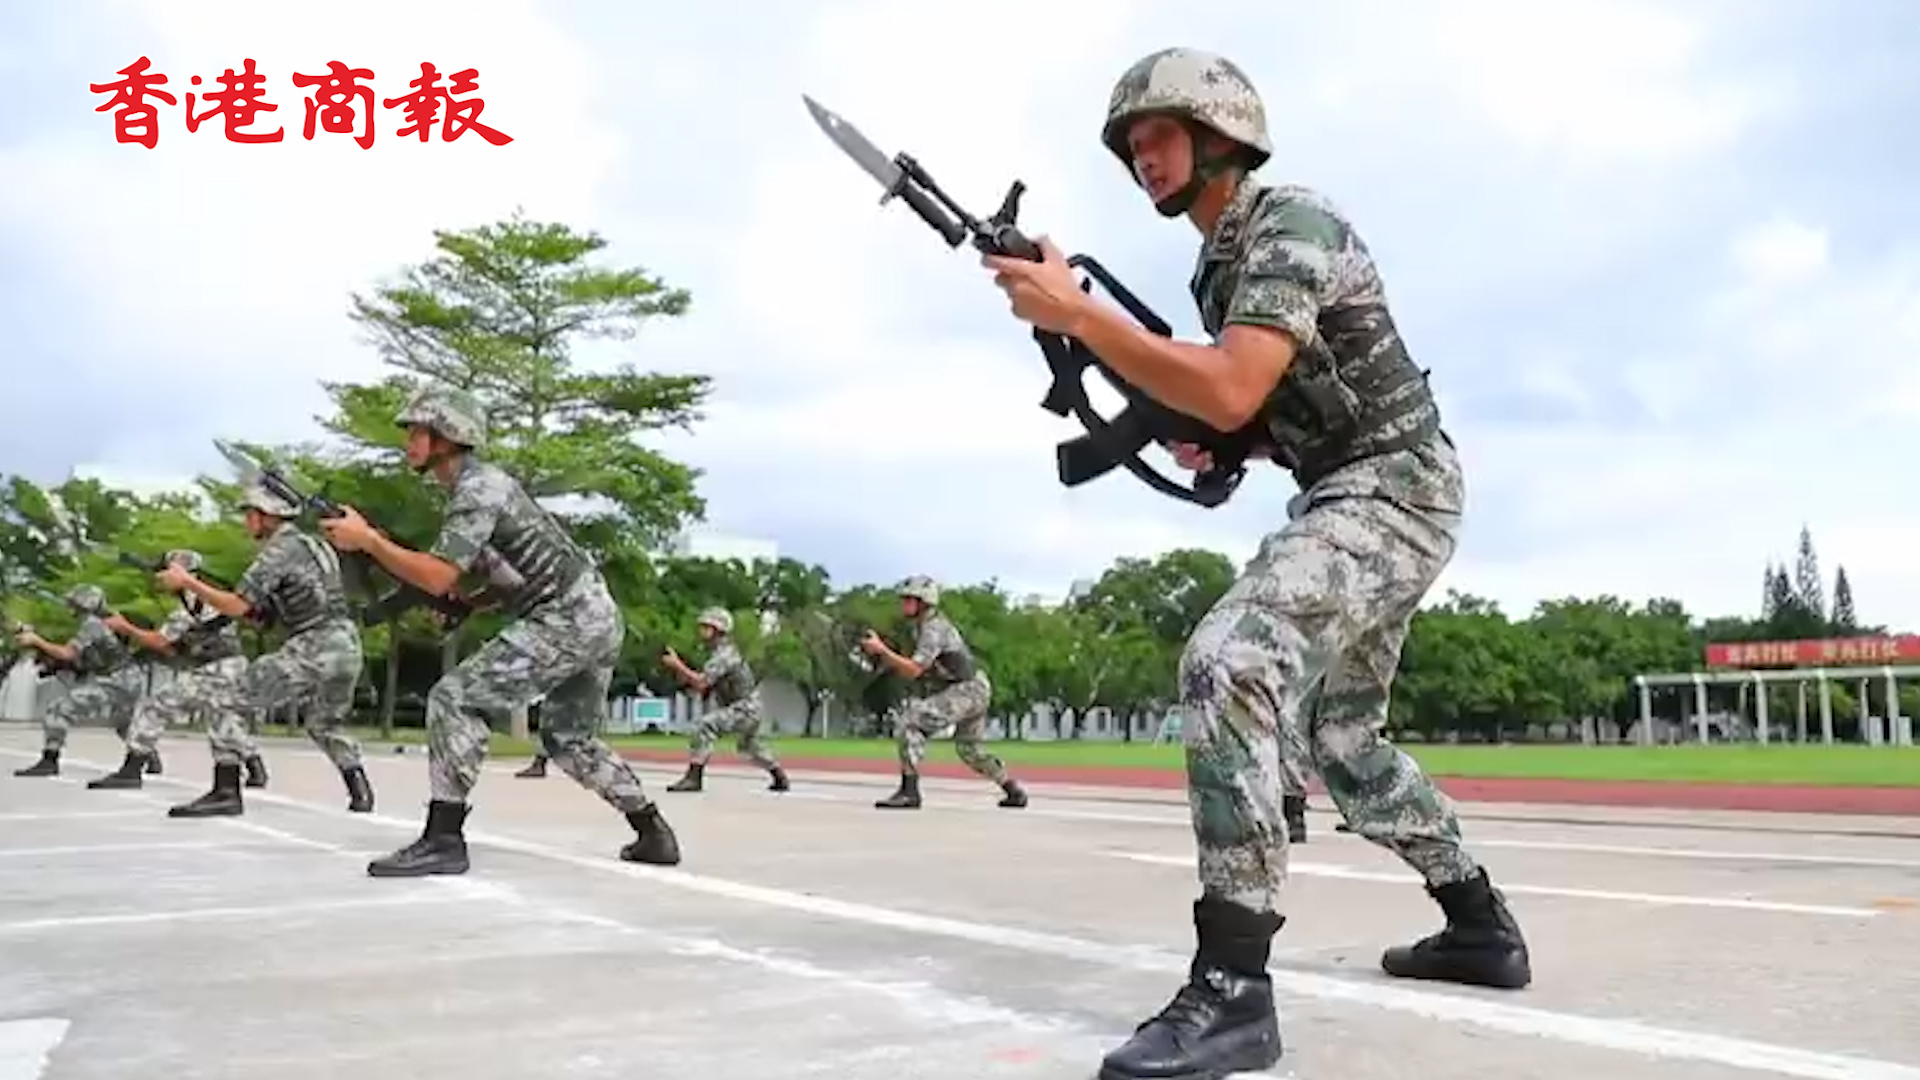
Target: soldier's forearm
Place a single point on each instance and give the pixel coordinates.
(903, 665)
(429, 573)
(1206, 382)
(61, 651)
(220, 600)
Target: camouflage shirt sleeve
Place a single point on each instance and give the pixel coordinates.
(92, 633)
(472, 512)
(937, 638)
(1287, 272)
(265, 575)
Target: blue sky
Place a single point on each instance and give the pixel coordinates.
(1663, 258)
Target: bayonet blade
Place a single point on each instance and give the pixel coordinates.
(848, 138)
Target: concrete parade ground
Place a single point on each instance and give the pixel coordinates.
(808, 934)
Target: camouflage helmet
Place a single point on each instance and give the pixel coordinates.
(456, 415)
(87, 598)
(1202, 87)
(922, 588)
(189, 560)
(719, 618)
(255, 496)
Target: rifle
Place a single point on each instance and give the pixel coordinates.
(383, 607)
(159, 563)
(1108, 441)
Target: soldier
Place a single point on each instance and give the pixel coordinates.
(959, 698)
(294, 581)
(1304, 344)
(209, 672)
(734, 695)
(103, 688)
(564, 642)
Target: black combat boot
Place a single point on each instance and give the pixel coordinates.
(441, 849)
(1480, 946)
(1343, 827)
(654, 842)
(359, 791)
(153, 762)
(256, 771)
(1294, 807)
(48, 765)
(1223, 1020)
(128, 775)
(1016, 796)
(904, 797)
(694, 780)
(222, 801)
(779, 781)
(535, 769)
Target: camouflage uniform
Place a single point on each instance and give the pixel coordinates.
(734, 707)
(104, 687)
(1325, 604)
(563, 644)
(295, 577)
(210, 668)
(960, 695)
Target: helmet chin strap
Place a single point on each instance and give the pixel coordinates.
(1206, 168)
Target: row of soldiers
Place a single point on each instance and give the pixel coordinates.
(560, 646)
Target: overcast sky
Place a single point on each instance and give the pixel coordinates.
(1661, 257)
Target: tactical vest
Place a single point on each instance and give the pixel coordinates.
(734, 686)
(956, 665)
(103, 655)
(533, 545)
(1351, 393)
(209, 640)
(307, 601)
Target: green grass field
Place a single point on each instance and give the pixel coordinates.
(1844, 766)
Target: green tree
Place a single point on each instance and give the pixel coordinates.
(1844, 620)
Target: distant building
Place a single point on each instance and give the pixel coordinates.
(692, 544)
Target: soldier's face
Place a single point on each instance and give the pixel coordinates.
(910, 606)
(257, 523)
(1162, 155)
(419, 446)
(707, 633)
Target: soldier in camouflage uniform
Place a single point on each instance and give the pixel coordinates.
(733, 695)
(209, 665)
(105, 683)
(1305, 346)
(960, 693)
(564, 642)
(294, 582)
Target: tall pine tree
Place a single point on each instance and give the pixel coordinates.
(1808, 589)
(1770, 593)
(1843, 619)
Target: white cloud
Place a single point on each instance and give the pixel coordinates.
(1511, 164)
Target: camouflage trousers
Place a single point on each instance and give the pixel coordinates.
(92, 699)
(317, 669)
(742, 720)
(962, 708)
(215, 692)
(1295, 759)
(565, 649)
(1309, 637)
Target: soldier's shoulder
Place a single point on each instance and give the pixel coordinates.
(484, 482)
(1299, 211)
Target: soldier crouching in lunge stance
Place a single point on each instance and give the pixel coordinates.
(564, 642)
(209, 668)
(960, 697)
(296, 578)
(734, 697)
(101, 689)
(1304, 343)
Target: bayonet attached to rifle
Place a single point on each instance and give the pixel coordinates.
(386, 606)
(1109, 441)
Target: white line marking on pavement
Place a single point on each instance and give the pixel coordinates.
(74, 815)
(266, 911)
(1352, 873)
(1624, 1036)
(89, 849)
(1700, 853)
(26, 1046)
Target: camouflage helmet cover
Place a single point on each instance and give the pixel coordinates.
(719, 618)
(255, 496)
(1201, 86)
(454, 413)
(87, 598)
(188, 559)
(922, 588)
